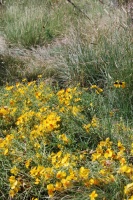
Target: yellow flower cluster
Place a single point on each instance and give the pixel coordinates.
(41, 144)
(113, 162)
(93, 124)
(98, 90)
(119, 84)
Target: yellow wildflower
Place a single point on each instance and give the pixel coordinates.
(6, 152)
(123, 84)
(12, 193)
(66, 183)
(87, 127)
(50, 189)
(122, 161)
(9, 87)
(94, 122)
(83, 173)
(125, 169)
(120, 146)
(93, 86)
(60, 174)
(39, 76)
(58, 186)
(14, 170)
(37, 145)
(64, 138)
(27, 163)
(128, 188)
(37, 181)
(14, 185)
(108, 153)
(116, 84)
(13, 182)
(4, 111)
(119, 84)
(93, 195)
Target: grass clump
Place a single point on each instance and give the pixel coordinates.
(100, 54)
(30, 23)
(57, 142)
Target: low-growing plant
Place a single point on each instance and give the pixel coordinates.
(54, 143)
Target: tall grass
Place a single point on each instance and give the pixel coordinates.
(99, 49)
(33, 23)
(39, 22)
